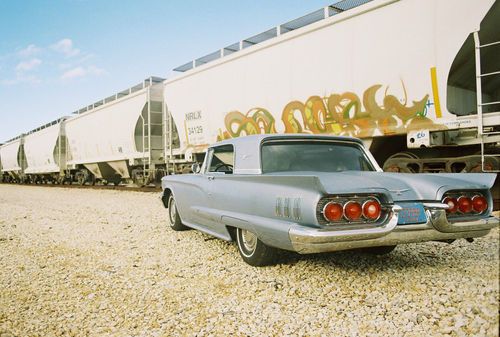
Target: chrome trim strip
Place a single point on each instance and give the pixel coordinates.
(278, 207)
(286, 208)
(296, 209)
(436, 205)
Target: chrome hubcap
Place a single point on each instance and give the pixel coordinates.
(173, 211)
(249, 240)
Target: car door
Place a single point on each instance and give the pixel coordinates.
(220, 161)
(191, 194)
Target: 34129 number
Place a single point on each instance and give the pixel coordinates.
(194, 130)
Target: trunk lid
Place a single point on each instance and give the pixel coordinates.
(404, 187)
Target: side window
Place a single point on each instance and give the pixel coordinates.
(221, 159)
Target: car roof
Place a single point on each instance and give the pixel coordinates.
(247, 149)
(258, 139)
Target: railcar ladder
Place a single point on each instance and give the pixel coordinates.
(482, 134)
(146, 145)
(168, 140)
(146, 155)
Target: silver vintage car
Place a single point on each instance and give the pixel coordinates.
(312, 194)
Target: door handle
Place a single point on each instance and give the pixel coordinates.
(211, 177)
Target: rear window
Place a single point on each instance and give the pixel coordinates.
(320, 156)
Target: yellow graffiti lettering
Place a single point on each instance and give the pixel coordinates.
(338, 114)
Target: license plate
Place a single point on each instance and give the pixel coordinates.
(412, 213)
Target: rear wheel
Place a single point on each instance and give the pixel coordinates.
(253, 251)
(173, 215)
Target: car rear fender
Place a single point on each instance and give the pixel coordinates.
(467, 181)
(273, 232)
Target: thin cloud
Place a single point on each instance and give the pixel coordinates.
(73, 73)
(85, 58)
(80, 72)
(64, 66)
(29, 51)
(61, 60)
(76, 62)
(93, 70)
(65, 47)
(28, 65)
(21, 78)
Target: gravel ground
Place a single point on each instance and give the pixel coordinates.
(103, 263)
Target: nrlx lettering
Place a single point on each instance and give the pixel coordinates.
(191, 116)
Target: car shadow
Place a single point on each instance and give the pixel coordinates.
(400, 259)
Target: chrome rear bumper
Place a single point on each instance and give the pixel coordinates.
(307, 240)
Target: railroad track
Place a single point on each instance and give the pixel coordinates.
(151, 189)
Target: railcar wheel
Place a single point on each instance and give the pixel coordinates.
(253, 251)
(81, 177)
(383, 250)
(173, 216)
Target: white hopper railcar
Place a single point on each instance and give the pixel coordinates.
(119, 138)
(13, 160)
(45, 153)
(400, 74)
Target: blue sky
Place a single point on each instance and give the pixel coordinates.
(58, 56)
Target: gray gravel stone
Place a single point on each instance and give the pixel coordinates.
(104, 263)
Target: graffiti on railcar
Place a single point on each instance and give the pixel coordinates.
(339, 114)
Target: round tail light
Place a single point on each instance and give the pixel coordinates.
(333, 211)
(372, 209)
(479, 203)
(353, 210)
(464, 204)
(453, 203)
